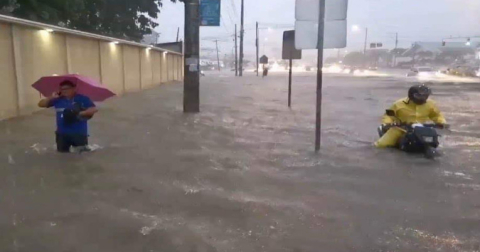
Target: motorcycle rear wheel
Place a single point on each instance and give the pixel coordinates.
(430, 152)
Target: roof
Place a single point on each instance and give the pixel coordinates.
(438, 47)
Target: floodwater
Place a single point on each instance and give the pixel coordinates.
(242, 175)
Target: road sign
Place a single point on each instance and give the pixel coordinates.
(373, 45)
(306, 35)
(264, 59)
(289, 51)
(210, 12)
(308, 10)
(306, 25)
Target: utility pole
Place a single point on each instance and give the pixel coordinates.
(236, 56)
(318, 114)
(178, 33)
(366, 38)
(290, 81)
(242, 31)
(191, 87)
(395, 54)
(218, 57)
(256, 42)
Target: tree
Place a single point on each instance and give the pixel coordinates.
(129, 19)
(354, 59)
(331, 60)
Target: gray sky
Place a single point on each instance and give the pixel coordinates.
(414, 20)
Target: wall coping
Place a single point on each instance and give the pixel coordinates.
(55, 28)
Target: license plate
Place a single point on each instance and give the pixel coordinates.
(428, 139)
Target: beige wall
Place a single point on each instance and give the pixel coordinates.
(29, 53)
(175, 70)
(169, 67)
(146, 68)
(112, 67)
(132, 69)
(84, 56)
(37, 53)
(8, 82)
(156, 67)
(164, 68)
(178, 68)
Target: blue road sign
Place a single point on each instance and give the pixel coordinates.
(210, 12)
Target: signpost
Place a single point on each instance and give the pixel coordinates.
(290, 53)
(210, 12)
(320, 24)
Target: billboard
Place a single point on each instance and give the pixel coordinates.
(210, 12)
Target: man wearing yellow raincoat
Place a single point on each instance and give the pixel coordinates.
(416, 108)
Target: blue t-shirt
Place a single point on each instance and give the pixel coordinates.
(62, 103)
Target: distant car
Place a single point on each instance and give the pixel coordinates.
(421, 71)
(464, 71)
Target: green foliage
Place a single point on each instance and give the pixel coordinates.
(129, 19)
(354, 59)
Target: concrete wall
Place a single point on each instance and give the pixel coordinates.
(146, 68)
(27, 53)
(112, 67)
(8, 90)
(132, 69)
(37, 53)
(156, 66)
(164, 68)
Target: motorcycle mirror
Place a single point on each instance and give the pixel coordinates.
(390, 112)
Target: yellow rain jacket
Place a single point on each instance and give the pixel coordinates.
(408, 112)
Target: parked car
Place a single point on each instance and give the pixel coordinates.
(421, 71)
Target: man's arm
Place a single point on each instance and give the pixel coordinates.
(386, 119)
(48, 102)
(90, 109)
(436, 116)
(89, 112)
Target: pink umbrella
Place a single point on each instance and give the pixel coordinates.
(86, 86)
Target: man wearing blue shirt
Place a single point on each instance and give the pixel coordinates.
(73, 111)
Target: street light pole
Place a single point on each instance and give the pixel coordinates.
(236, 56)
(257, 44)
(218, 57)
(318, 114)
(242, 31)
(191, 87)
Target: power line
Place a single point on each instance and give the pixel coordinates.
(232, 2)
(230, 16)
(224, 24)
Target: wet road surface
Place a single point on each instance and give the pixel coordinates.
(242, 174)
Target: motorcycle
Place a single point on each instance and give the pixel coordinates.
(419, 138)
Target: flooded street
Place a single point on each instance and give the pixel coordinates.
(242, 174)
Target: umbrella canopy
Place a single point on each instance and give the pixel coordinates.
(85, 86)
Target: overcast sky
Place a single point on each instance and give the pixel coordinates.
(414, 20)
